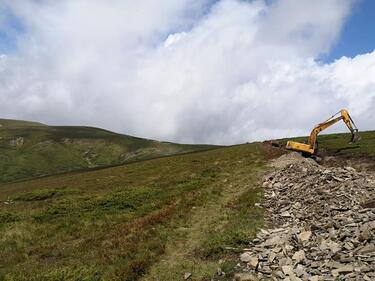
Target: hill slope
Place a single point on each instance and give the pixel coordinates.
(30, 149)
(150, 220)
(115, 223)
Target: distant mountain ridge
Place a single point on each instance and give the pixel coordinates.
(32, 149)
(18, 123)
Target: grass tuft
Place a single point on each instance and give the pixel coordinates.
(6, 217)
(42, 194)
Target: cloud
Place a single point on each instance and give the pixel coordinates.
(223, 71)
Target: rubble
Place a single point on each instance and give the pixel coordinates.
(320, 228)
(245, 257)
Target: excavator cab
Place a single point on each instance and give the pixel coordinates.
(309, 148)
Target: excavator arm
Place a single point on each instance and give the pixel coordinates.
(310, 146)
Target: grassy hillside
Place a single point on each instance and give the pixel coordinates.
(18, 123)
(30, 149)
(149, 220)
(154, 219)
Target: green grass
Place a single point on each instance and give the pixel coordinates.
(242, 221)
(6, 218)
(119, 223)
(30, 149)
(44, 194)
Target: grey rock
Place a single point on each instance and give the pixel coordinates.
(343, 269)
(288, 270)
(299, 256)
(331, 245)
(245, 257)
(253, 262)
(304, 236)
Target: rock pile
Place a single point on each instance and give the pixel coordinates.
(321, 228)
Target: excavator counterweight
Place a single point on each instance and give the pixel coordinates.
(309, 148)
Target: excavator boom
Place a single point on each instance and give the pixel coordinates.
(309, 148)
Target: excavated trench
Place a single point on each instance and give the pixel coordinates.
(320, 223)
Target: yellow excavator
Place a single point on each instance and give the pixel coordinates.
(310, 147)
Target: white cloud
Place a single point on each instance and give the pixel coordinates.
(214, 71)
(174, 38)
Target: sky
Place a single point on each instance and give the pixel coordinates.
(204, 71)
(358, 33)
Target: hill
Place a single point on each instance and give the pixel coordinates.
(30, 149)
(115, 223)
(18, 123)
(151, 220)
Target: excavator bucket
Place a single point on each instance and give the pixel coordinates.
(355, 136)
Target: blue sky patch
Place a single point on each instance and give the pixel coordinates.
(9, 31)
(358, 34)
